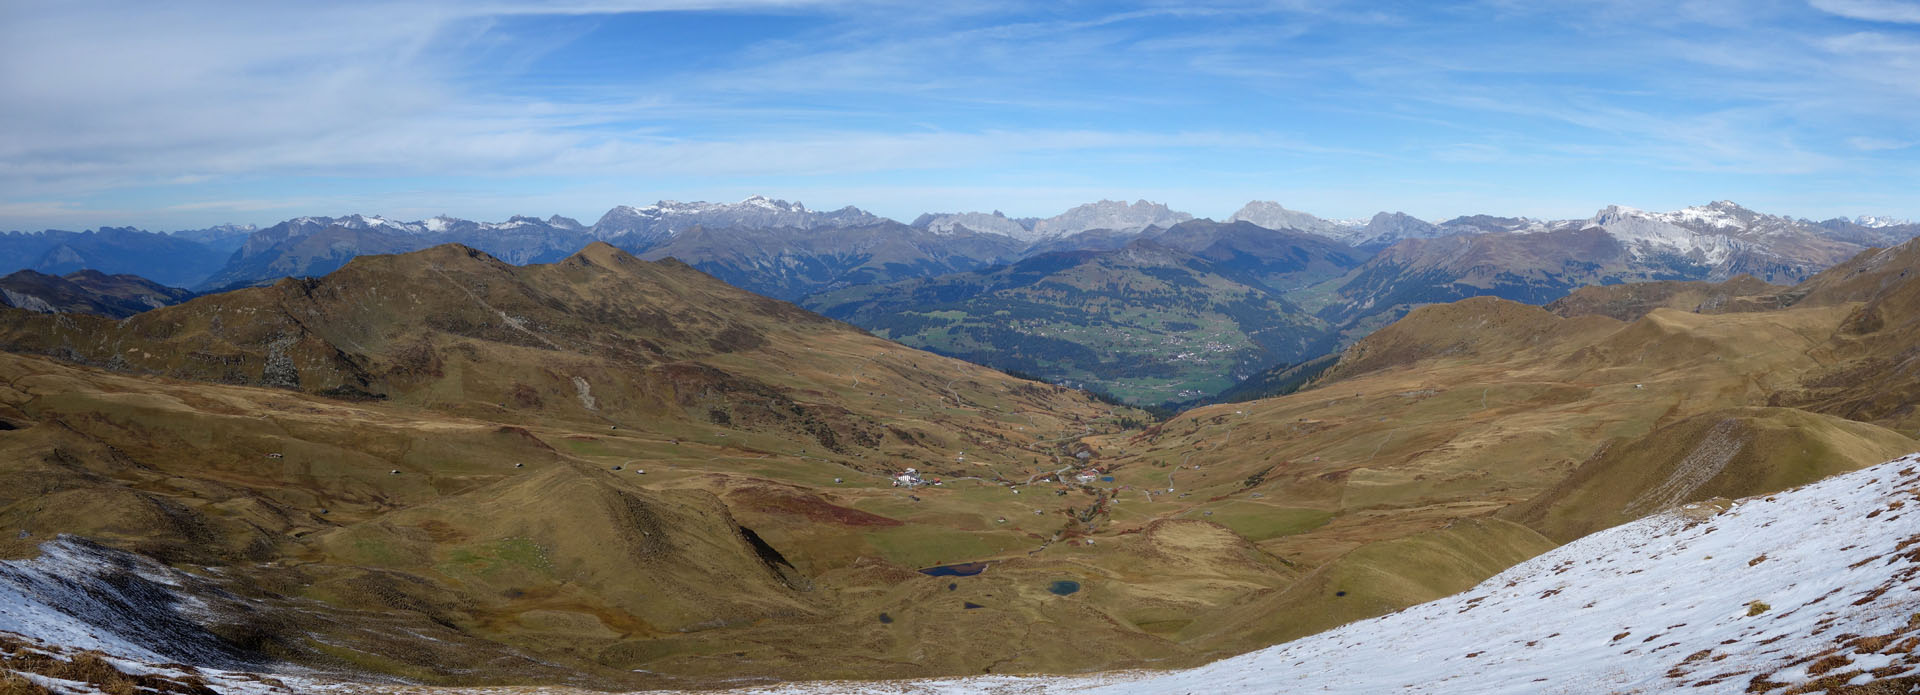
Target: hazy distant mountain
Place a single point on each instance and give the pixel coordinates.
(224, 238)
(1381, 230)
(1388, 227)
(1540, 262)
(1090, 240)
(1875, 221)
(1109, 214)
(774, 247)
(164, 258)
(995, 222)
(1272, 215)
(660, 221)
(1482, 224)
(1280, 259)
(87, 292)
(787, 263)
(313, 246)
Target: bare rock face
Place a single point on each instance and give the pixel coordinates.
(1110, 214)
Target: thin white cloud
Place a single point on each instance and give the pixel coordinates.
(1872, 10)
(1867, 144)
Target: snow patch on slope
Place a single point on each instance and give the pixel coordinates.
(86, 596)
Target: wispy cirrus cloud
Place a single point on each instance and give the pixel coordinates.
(176, 113)
(1872, 10)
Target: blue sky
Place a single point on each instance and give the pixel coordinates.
(180, 115)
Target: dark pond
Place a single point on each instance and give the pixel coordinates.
(1064, 587)
(964, 569)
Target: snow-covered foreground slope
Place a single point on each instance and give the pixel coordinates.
(1664, 604)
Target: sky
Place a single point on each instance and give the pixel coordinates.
(182, 115)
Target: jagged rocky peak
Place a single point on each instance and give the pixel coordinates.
(1110, 214)
(1272, 215)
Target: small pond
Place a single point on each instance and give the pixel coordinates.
(1063, 587)
(964, 569)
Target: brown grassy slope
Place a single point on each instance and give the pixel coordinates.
(1460, 411)
(599, 337)
(518, 554)
(1732, 453)
(1630, 301)
(1870, 367)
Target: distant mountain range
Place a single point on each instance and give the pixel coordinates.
(1327, 282)
(179, 261)
(234, 255)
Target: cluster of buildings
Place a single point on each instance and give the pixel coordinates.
(910, 478)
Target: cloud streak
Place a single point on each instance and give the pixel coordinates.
(183, 111)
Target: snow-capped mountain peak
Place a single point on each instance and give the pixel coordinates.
(1878, 222)
(668, 218)
(359, 221)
